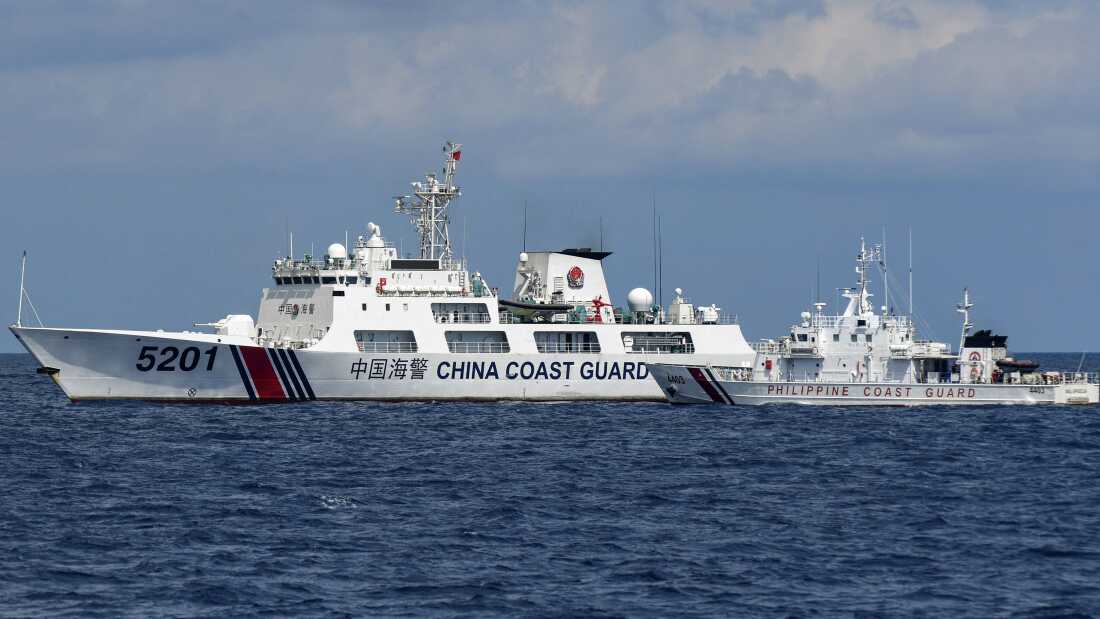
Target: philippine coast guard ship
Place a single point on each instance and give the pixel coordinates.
(864, 358)
(366, 323)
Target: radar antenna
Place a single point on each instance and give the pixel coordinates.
(427, 207)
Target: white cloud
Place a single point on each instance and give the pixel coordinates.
(596, 89)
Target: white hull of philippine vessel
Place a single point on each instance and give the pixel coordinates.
(148, 365)
(701, 384)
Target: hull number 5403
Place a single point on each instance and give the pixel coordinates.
(170, 358)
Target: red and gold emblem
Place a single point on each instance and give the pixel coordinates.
(575, 277)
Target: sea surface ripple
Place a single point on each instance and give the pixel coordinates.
(522, 509)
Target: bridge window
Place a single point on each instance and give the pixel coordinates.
(328, 280)
(297, 280)
(385, 341)
(351, 279)
(567, 342)
(477, 342)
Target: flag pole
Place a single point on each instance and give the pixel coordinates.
(22, 279)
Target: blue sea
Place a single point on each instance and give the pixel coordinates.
(549, 510)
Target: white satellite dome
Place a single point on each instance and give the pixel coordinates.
(337, 251)
(375, 232)
(639, 300)
(523, 257)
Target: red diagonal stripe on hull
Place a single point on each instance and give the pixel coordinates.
(263, 374)
(697, 374)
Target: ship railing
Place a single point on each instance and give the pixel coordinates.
(833, 322)
(926, 348)
(479, 347)
(316, 265)
(386, 346)
(732, 374)
(579, 347)
(721, 319)
(459, 317)
(767, 347)
(681, 349)
(1080, 378)
(827, 321)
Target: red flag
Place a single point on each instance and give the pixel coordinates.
(456, 155)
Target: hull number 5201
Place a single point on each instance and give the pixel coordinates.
(170, 358)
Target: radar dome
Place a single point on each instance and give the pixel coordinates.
(337, 251)
(523, 257)
(639, 300)
(375, 232)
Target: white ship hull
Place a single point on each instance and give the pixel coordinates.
(95, 364)
(700, 384)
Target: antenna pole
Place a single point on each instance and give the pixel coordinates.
(817, 287)
(885, 276)
(910, 271)
(22, 279)
(654, 194)
(660, 262)
(525, 225)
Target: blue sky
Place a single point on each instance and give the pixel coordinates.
(154, 151)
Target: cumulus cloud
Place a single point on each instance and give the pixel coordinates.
(886, 86)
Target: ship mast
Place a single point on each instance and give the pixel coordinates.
(964, 309)
(427, 207)
(859, 303)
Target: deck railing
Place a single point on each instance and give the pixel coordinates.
(479, 347)
(458, 317)
(386, 346)
(683, 349)
(556, 347)
(1080, 378)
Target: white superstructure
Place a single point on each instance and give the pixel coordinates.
(362, 322)
(861, 357)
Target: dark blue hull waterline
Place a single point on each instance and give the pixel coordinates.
(534, 509)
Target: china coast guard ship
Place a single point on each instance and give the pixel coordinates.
(865, 358)
(364, 323)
